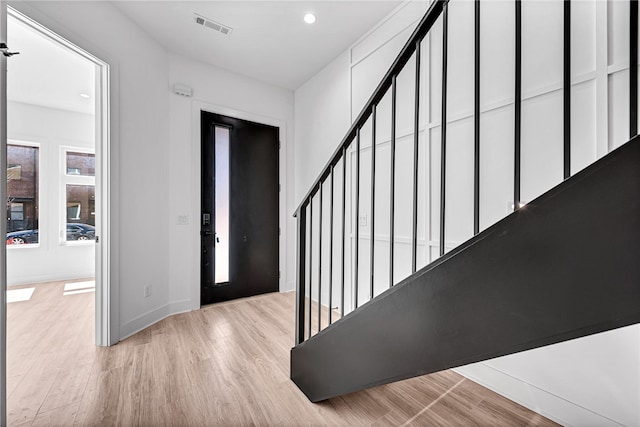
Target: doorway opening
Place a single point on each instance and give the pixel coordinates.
(57, 176)
(239, 208)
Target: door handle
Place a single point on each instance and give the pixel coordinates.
(5, 50)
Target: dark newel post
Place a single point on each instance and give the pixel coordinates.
(310, 260)
(300, 282)
(344, 209)
(320, 262)
(357, 223)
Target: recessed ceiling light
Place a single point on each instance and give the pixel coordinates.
(84, 95)
(309, 18)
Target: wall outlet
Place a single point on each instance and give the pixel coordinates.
(363, 220)
(182, 220)
(147, 291)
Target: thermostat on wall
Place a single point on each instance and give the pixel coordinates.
(182, 90)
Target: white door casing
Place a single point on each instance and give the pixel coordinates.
(3, 224)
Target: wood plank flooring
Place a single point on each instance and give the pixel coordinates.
(223, 365)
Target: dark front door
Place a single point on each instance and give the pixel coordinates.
(239, 218)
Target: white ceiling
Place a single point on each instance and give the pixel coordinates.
(46, 73)
(270, 41)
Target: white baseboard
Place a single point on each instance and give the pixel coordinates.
(152, 317)
(183, 306)
(549, 405)
(142, 322)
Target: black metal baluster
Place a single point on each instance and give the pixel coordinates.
(518, 107)
(443, 124)
(567, 88)
(310, 260)
(320, 262)
(300, 286)
(344, 209)
(331, 247)
(416, 137)
(633, 68)
(357, 236)
(393, 178)
(476, 124)
(373, 198)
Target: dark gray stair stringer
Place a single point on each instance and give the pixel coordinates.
(565, 266)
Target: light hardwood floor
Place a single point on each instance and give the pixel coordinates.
(223, 365)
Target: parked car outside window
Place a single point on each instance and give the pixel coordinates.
(74, 232)
(81, 232)
(24, 237)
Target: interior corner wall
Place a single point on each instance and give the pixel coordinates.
(327, 103)
(229, 94)
(321, 121)
(325, 107)
(139, 150)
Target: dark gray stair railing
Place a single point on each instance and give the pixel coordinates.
(314, 198)
(563, 267)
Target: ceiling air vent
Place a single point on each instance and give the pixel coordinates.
(206, 22)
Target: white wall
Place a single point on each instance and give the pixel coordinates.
(153, 148)
(325, 106)
(321, 121)
(51, 129)
(591, 381)
(226, 93)
(139, 150)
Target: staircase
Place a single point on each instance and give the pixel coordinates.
(561, 266)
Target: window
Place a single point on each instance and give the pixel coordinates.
(22, 194)
(14, 172)
(83, 164)
(81, 202)
(79, 195)
(222, 204)
(17, 211)
(73, 209)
